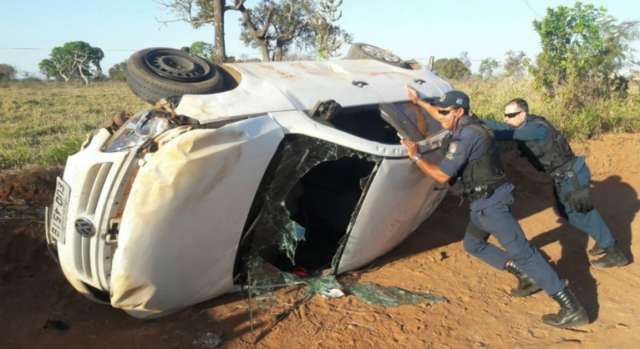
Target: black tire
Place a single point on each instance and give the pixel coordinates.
(360, 50)
(156, 73)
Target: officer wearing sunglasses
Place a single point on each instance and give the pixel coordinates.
(549, 152)
(473, 163)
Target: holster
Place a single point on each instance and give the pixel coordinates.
(580, 195)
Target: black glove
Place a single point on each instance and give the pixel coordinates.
(580, 199)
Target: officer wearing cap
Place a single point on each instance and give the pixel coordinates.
(549, 152)
(472, 162)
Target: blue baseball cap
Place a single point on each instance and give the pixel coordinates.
(453, 98)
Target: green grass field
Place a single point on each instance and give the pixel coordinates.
(41, 124)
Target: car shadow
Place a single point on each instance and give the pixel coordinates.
(248, 316)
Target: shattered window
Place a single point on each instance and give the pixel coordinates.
(390, 296)
(305, 204)
(299, 223)
(264, 278)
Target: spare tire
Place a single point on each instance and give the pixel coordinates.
(156, 73)
(365, 51)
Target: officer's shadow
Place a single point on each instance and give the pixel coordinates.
(616, 201)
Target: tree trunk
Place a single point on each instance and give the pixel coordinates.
(219, 42)
(259, 35)
(279, 54)
(82, 76)
(61, 72)
(264, 49)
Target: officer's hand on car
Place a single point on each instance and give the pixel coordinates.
(412, 147)
(580, 199)
(413, 95)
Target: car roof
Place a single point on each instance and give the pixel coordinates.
(299, 85)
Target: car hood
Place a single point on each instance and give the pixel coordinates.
(282, 86)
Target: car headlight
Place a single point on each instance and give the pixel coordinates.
(137, 130)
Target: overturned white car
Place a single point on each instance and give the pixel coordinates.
(294, 162)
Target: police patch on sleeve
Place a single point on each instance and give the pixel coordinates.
(453, 147)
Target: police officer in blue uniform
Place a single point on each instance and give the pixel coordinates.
(472, 163)
(549, 152)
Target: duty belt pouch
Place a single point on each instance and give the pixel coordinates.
(580, 194)
(572, 174)
(481, 193)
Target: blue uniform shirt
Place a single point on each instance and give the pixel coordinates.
(528, 131)
(466, 145)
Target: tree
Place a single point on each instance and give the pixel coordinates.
(7, 72)
(204, 12)
(583, 50)
(203, 50)
(487, 68)
(274, 26)
(451, 68)
(464, 58)
(516, 64)
(117, 72)
(73, 60)
(328, 37)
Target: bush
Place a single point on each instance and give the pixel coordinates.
(583, 50)
(117, 72)
(451, 68)
(7, 72)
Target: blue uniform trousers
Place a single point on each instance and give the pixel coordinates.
(498, 220)
(589, 222)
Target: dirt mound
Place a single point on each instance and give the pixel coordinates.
(39, 309)
(33, 186)
(22, 245)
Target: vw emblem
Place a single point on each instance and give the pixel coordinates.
(85, 227)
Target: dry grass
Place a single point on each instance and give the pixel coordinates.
(41, 124)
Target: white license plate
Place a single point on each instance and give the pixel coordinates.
(59, 209)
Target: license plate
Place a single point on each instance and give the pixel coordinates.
(58, 220)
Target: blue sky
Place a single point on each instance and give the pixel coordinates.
(410, 28)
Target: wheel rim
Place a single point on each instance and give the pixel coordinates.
(381, 54)
(177, 65)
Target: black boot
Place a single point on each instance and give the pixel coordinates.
(613, 257)
(596, 251)
(571, 313)
(526, 285)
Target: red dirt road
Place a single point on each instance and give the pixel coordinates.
(479, 314)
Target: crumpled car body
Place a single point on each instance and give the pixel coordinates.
(157, 226)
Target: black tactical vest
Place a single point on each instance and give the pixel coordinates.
(481, 176)
(550, 154)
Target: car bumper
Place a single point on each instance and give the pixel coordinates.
(95, 181)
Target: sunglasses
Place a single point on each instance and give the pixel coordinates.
(445, 112)
(512, 115)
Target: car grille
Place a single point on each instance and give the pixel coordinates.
(91, 195)
(92, 188)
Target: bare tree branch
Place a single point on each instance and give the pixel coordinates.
(267, 23)
(239, 4)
